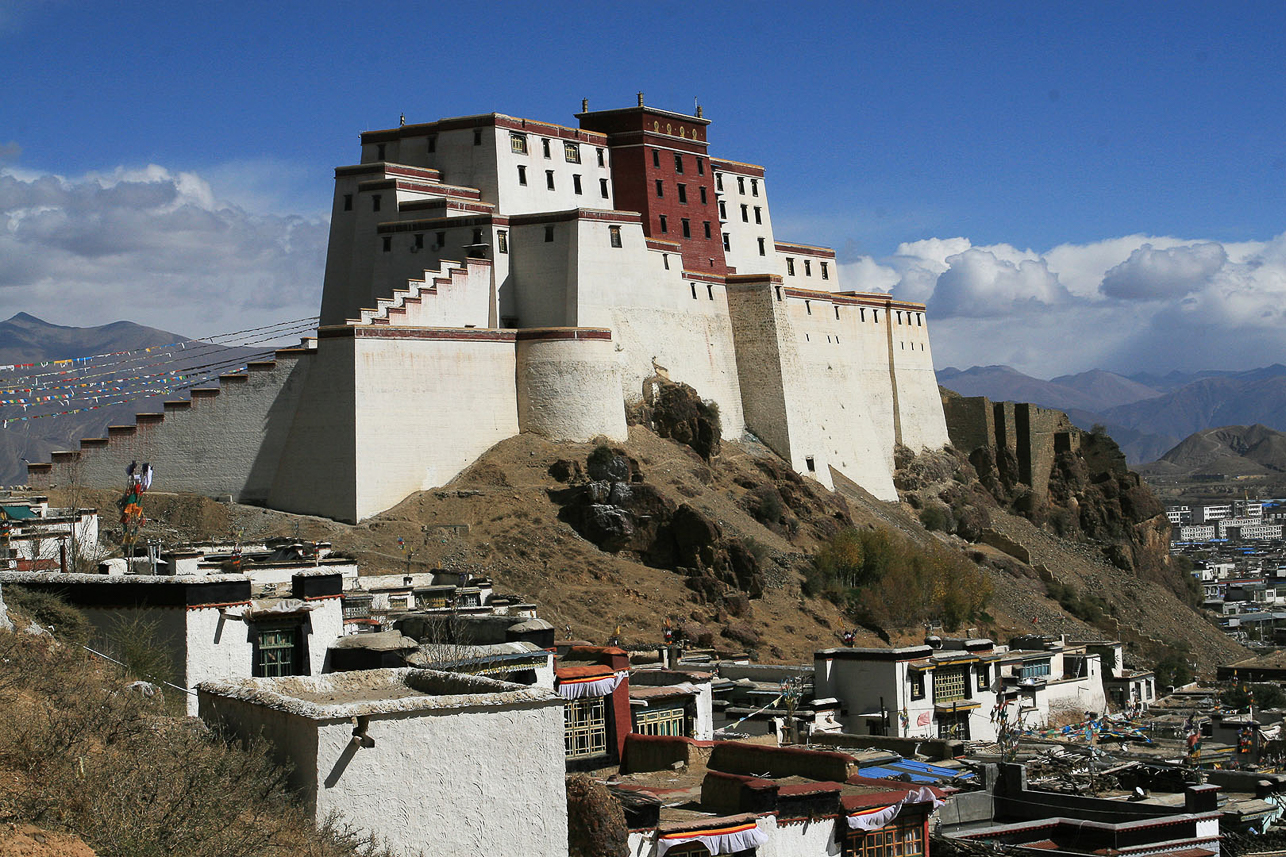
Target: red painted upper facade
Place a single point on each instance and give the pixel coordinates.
(660, 169)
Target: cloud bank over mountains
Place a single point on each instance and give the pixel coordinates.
(1135, 303)
(153, 246)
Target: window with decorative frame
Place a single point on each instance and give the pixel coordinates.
(571, 151)
(949, 684)
(917, 684)
(585, 728)
(517, 143)
(1035, 669)
(901, 839)
(671, 722)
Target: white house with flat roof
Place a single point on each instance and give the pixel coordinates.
(433, 763)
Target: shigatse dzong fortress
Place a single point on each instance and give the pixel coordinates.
(489, 275)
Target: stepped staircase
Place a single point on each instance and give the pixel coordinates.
(414, 305)
(39, 472)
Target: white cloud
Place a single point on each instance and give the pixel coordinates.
(153, 246)
(1136, 302)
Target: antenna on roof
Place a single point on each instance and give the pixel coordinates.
(401, 120)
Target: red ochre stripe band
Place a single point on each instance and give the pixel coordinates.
(584, 680)
(716, 831)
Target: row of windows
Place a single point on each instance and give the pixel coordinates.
(502, 239)
(683, 193)
(678, 162)
(741, 184)
(571, 151)
(808, 267)
(727, 244)
(664, 224)
(903, 839)
(745, 213)
(550, 185)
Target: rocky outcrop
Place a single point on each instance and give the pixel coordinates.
(632, 517)
(675, 410)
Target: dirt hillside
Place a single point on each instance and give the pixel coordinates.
(508, 517)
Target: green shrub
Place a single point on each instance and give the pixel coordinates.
(937, 517)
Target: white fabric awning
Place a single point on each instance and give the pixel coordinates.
(874, 820)
(586, 689)
(716, 841)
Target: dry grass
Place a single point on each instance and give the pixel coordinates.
(83, 752)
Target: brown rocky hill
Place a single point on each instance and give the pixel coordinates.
(1232, 450)
(647, 530)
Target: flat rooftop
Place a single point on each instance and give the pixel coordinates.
(349, 694)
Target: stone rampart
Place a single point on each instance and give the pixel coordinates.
(224, 440)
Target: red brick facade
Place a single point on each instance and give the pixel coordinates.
(660, 168)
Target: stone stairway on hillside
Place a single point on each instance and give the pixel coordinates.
(147, 426)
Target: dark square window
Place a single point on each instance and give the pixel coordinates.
(808, 268)
(602, 188)
(723, 210)
(576, 183)
(705, 224)
(660, 189)
(441, 239)
(379, 152)
(502, 241)
(718, 181)
(388, 243)
(762, 248)
(544, 147)
(549, 179)
(826, 275)
(664, 227)
(549, 234)
(600, 156)
(522, 174)
(727, 245)
(477, 136)
(790, 267)
(703, 194)
(375, 202)
(687, 228)
(348, 202)
(433, 143)
(754, 186)
(759, 214)
(278, 651)
(614, 233)
(683, 194)
(678, 163)
(745, 213)
(741, 185)
(419, 240)
(656, 157)
(701, 166)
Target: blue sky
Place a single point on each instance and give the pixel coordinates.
(1002, 132)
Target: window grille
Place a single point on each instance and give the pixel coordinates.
(905, 839)
(948, 685)
(1040, 669)
(585, 728)
(518, 143)
(277, 652)
(661, 721)
(571, 151)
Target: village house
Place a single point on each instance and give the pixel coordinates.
(432, 762)
(963, 689)
(690, 798)
(213, 626)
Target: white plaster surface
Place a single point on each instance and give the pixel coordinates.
(570, 389)
(469, 773)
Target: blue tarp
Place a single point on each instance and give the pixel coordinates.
(919, 772)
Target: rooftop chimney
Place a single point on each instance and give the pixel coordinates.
(584, 105)
(640, 99)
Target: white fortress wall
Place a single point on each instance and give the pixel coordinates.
(744, 217)
(318, 472)
(569, 384)
(776, 392)
(458, 295)
(919, 402)
(428, 402)
(542, 271)
(222, 441)
(826, 336)
(871, 368)
(677, 318)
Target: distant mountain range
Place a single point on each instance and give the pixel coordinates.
(26, 339)
(1146, 414)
